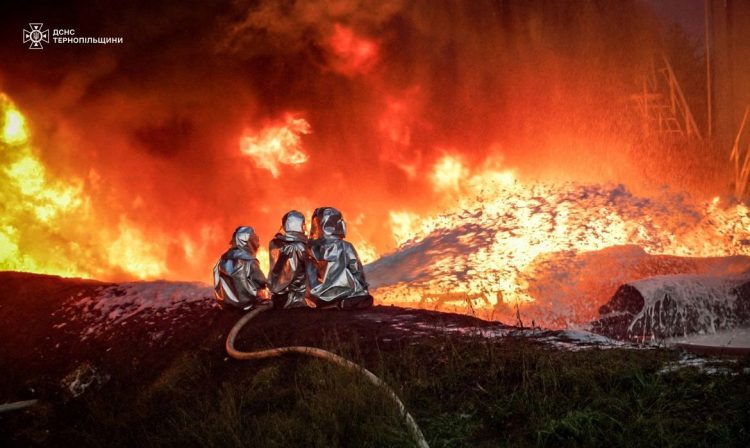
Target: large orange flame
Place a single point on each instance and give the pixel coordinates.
(277, 145)
(33, 202)
(50, 224)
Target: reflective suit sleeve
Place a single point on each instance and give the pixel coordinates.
(312, 270)
(354, 265)
(256, 275)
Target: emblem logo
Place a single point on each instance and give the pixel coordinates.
(36, 35)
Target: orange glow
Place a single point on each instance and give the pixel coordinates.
(397, 124)
(49, 224)
(137, 254)
(32, 201)
(419, 121)
(403, 225)
(448, 173)
(355, 55)
(393, 122)
(277, 145)
(263, 258)
(14, 129)
(507, 227)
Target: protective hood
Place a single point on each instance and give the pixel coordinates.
(292, 227)
(334, 271)
(287, 253)
(327, 222)
(238, 278)
(245, 238)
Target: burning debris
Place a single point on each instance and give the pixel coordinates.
(530, 253)
(549, 253)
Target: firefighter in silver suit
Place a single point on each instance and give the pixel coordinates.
(238, 279)
(334, 272)
(287, 254)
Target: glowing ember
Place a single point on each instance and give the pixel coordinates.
(277, 145)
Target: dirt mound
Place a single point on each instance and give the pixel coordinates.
(53, 327)
(58, 334)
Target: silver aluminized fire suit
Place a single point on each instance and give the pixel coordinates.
(238, 280)
(334, 272)
(287, 253)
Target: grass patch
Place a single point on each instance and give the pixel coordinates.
(462, 392)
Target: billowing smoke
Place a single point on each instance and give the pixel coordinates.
(212, 115)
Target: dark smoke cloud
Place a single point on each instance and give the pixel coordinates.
(272, 28)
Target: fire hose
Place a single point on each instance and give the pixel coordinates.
(17, 405)
(323, 354)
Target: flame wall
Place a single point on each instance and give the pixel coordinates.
(138, 160)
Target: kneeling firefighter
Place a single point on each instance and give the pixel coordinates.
(287, 253)
(238, 280)
(334, 274)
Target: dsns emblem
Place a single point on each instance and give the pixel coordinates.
(36, 35)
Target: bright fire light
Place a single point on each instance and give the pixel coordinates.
(136, 253)
(32, 201)
(278, 145)
(14, 129)
(485, 251)
(448, 172)
(403, 225)
(48, 225)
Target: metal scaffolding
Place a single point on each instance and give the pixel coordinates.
(662, 104)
